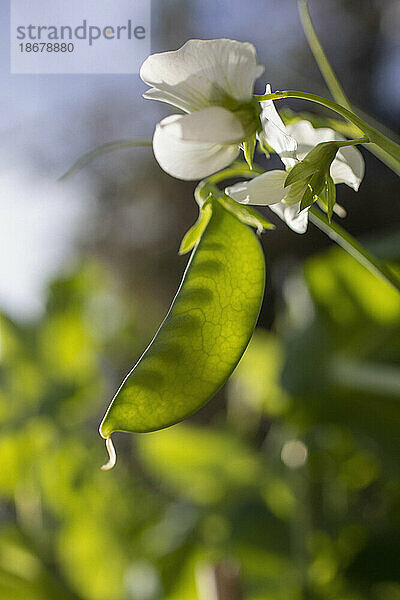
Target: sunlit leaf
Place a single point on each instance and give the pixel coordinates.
(201, 472)
(249, 146)
(256, 380)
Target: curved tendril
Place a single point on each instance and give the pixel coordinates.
(112, 456)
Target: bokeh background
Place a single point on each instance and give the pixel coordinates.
(286, 485)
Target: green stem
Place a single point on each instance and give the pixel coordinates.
(336, 89)
(207, 186)
(319, 54)
(348, 243)
(373, 134)
(235, 171)
(362, 140)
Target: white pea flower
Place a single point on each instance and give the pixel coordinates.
(212, 82)
(293, 143)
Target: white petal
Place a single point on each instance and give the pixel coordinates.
(307, 137)
(275, 132)
(213, 125)
(169, 97)
(348, 167)
(263, 190)
(189, 160)
(202, 73)
(298, 221)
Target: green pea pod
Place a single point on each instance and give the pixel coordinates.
(203, 336)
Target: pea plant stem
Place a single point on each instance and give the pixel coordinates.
(362, 140)
(335, 87)
(348, 243)
(373, 134)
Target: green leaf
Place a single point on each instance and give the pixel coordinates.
(329, 194)
(315, 167)
(308, 198)
(203, 336)
(248, 150)
(319, 159)
(255, 384)
(300, 172)
(194, 234)
(201, 473)
(107, 148)
(318, 183)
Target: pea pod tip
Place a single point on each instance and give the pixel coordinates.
(112, 455)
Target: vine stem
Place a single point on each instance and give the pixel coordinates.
(335, 87)
(348, 243)
(374, 135)
(362, 140)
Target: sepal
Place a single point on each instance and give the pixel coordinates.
(245, 214)
(193, 235)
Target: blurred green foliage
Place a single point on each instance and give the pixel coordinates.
(295, 477)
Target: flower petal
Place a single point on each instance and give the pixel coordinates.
(263, 190)
(189, 160)
(275, 132)
(213, 125)
(348, 167)
(307, 137)
(202, 73)
(298, 221)
(169, 97)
